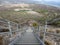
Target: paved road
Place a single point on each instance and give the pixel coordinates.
(28, 39)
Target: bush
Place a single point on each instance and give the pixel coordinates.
(57, 31)
(35, 24)
(47, 43)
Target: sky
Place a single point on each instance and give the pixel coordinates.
(53, 2)
(49, 0)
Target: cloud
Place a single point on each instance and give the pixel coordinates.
(49, 0)
(37, 0)
(6, 2)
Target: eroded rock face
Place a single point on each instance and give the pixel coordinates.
(4, 40)
(1, 40)
(4, 30)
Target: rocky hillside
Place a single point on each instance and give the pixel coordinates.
(22, 12)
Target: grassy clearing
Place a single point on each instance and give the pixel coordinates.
(19, 16)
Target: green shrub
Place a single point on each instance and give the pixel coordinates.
(46, 43)
(35, 24)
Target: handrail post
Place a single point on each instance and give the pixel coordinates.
(17, 28)
(10, 28)
(39, 30)
(55, 43)
(45, 32)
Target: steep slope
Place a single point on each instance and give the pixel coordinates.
(45, 12)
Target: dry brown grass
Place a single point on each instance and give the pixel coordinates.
(1, 40)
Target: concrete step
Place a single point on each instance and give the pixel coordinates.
(28, 44)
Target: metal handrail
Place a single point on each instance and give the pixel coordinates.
(9, 24)
(38, 38)
(54, 20)
(58, 35)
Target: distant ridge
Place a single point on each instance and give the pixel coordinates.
(52, 3)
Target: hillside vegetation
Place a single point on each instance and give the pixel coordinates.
(39, 13)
